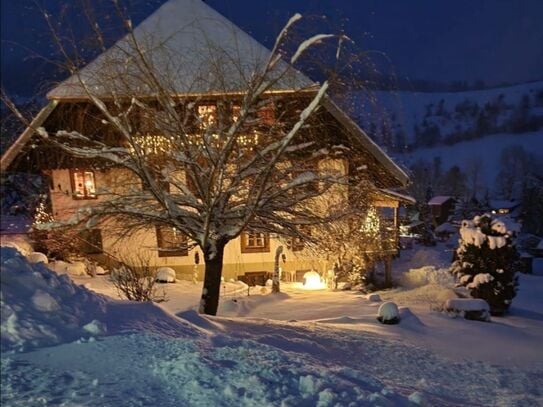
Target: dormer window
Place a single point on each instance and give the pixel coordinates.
(83, 184)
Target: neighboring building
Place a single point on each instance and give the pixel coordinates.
(504, 207)
(75, 183)
(441, 208)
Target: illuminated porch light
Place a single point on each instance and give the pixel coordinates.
(313, 281)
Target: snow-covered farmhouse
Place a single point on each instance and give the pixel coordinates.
(115, 97)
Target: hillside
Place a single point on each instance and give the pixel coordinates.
(493, 136)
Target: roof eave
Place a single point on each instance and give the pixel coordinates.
(367, 142)
(12, 152)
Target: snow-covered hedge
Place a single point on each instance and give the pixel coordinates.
(469, 308)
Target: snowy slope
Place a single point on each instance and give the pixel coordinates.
(467, 129)
(486, 151)
(407, 109)
(147, 357)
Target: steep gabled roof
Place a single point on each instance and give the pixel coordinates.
(193, 48)
(222, 59)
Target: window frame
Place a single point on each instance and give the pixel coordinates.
(246, 247)
(169, 251)
(86, 195)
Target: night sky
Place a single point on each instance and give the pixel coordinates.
(492, 40)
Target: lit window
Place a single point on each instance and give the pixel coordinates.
(235, 113)
(255, 242)
(207, 115)
(83, 185)
(171, 242)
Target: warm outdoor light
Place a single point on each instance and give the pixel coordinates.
(313, 281)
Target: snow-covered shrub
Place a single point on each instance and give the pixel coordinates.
(388, 313)
(37, 257)
(135, 279)
(165, 275)
(470, 308)
(487, 261)
(427, 275)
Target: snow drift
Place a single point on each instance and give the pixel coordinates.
(41, 308)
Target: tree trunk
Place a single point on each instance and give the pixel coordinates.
(213, 257)
(388, 272)
(275, 280)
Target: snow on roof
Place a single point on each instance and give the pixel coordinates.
(402, 197)
(439, 200)
(194, 49)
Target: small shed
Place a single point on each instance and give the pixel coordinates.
(441, 207)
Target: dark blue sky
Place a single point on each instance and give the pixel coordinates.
(493, 40)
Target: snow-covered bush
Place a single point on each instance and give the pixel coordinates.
(165, 275)
(469, 308)
(388, 313)
(135, 280)
(487, 262)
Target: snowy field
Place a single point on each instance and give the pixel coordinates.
(64, 344)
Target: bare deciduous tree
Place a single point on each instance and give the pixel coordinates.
(240, 149)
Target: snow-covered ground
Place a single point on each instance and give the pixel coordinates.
(63, 344)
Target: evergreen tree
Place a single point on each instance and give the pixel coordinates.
(487, 261)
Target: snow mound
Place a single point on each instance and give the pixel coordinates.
(467, 304)
(37, 257)
(388, 313)
(20, 245)
(427, 275)
(100, 271)
(76, 268)
(373, 297)
(41, 308)
(58, 266)
(469, 308)
(165, 275)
